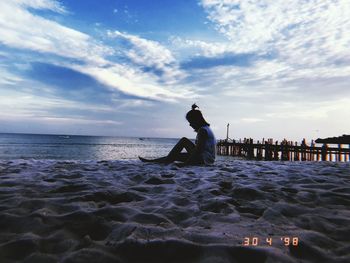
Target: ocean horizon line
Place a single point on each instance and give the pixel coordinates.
(85, 135)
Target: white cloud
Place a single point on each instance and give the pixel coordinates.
(323, 111)
(22, 102)
(306, 38)
(8, 78)
(297, 45)
(41, 4)
(19, 28)
(149, 53)
(134, 82)
(302, 32)
(200, 47)
(251, 120)
(75, 121)
(302, 56)
(55, 120)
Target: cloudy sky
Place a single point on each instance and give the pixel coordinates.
(270, 68)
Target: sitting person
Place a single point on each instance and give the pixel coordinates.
(202, 152)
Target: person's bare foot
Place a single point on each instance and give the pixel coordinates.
(162, 160)
(145, 160)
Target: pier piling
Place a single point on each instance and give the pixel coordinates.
(285, 151)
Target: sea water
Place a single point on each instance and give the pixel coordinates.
(76, 147)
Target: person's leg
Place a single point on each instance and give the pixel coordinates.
(182, 157)
(175, 154)
(158, 160)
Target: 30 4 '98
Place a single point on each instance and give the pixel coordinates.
(258, 241)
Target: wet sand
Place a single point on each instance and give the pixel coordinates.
(128, 211)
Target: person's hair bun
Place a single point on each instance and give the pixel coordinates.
(194, 106)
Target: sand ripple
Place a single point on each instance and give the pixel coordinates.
(127, 211)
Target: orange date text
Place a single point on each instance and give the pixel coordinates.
(261, 241)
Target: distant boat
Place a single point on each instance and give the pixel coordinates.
(141, 139)
(64, 136)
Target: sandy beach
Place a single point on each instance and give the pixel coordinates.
(128, 211)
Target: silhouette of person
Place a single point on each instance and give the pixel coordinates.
(202, 152)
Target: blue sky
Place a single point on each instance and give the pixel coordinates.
(271, 69)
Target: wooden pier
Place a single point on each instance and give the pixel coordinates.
(285, 150)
